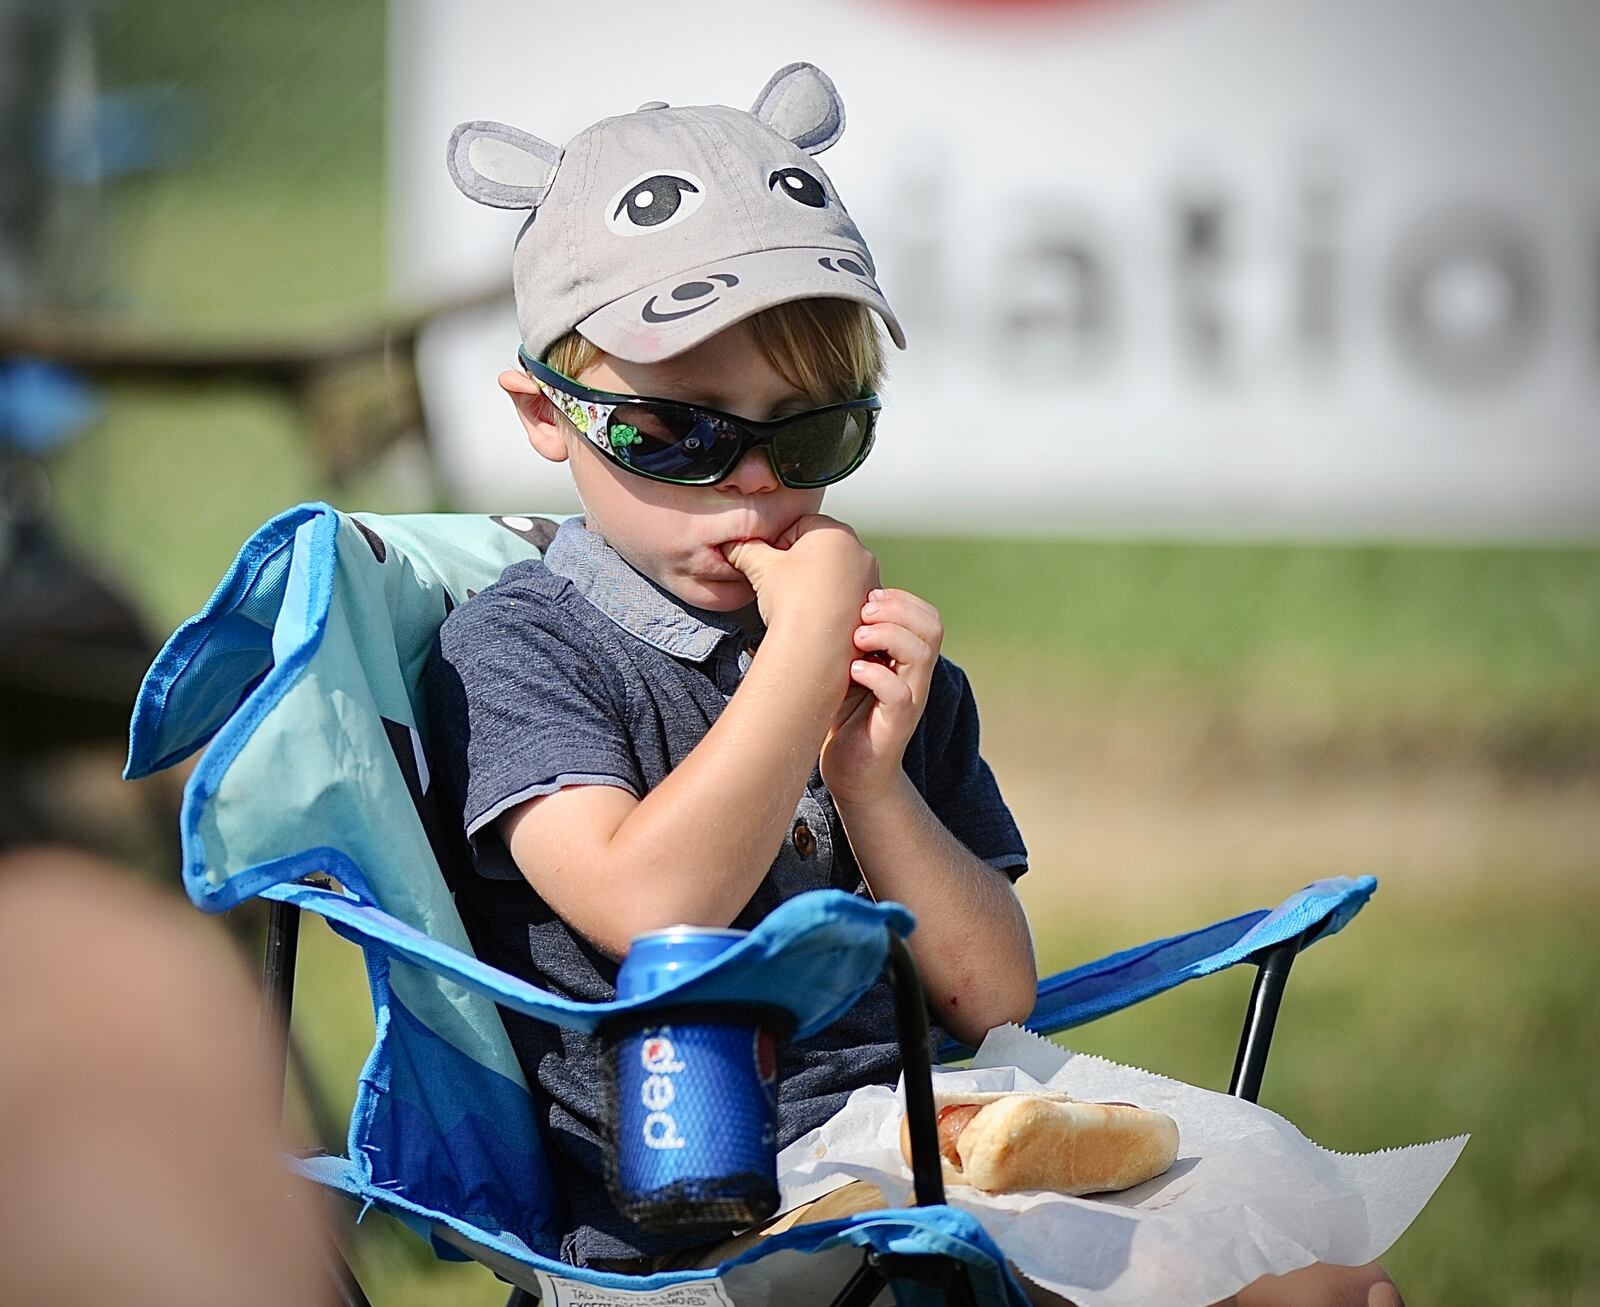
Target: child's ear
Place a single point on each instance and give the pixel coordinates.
(537, 414)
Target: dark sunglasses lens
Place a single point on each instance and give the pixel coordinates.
(668, 441)
(823, 447)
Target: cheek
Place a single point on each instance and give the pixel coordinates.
(602, 486)
(635, 514)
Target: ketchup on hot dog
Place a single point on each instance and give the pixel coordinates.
(952, 1121)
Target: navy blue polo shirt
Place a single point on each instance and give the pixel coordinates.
(578, 670)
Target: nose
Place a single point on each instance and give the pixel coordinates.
(752, 476)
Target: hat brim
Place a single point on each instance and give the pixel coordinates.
(674, 315)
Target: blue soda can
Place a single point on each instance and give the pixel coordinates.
(696, 1095)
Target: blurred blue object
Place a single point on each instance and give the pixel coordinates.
(42, 405)
(145, 129)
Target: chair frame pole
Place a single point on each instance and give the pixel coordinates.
(927, 1173)
(277, 1007)
(1261, 1017)
(277, 987)
(916, 1058)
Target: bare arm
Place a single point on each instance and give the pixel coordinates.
(971, 945)
(696, 847)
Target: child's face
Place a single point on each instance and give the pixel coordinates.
(672, 533)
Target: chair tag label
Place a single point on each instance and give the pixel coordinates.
(557, 1292)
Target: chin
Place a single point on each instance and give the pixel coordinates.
(716, 596)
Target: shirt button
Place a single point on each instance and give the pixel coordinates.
(805, 843)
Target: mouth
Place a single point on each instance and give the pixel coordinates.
(765, 535)
(718, 566)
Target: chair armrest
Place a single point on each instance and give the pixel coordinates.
(1096, 989)
(814, 956)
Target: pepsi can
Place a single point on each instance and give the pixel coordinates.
(695, 1095)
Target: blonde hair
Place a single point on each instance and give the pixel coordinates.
(829, 348)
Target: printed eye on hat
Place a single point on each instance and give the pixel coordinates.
(652, 231)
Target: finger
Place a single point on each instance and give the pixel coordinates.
(906, 647)
(857, 702)
(887, 688)
(750, 556)
(909, 611)
(913, 660)
(888, 594)
(807, 524)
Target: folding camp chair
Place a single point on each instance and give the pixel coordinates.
(303, 674)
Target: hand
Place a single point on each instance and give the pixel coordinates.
(815, 575)
(897, 647)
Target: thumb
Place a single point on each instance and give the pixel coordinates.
(752, 557)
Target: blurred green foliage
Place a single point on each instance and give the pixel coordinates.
(277, 212)
(1494, 648)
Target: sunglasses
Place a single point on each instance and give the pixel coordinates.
(687, 445)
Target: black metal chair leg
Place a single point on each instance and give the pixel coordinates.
(916, 1058)
(878, 1269)
(277, 986)
(862, 1287)
(347, 1291)
(1250, 1064)
(277, 1005)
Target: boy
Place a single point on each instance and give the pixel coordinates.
(702, 701)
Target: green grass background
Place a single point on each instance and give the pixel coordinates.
(1444, 1008)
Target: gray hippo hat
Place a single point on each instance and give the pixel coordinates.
(654, 230)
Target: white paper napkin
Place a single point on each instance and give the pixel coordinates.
(1248, 1196)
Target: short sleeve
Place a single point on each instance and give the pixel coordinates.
(945, 763)
(517, 708)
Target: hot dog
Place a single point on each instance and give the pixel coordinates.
(1006, 1142)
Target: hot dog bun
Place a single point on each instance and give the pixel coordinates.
(1049, 1140)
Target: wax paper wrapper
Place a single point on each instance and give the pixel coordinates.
(1248, 1196)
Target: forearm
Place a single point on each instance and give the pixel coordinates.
(696, 847)
(972, 944)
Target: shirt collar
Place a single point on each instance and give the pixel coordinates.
(634, 602)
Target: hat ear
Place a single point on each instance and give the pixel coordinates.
(501, 166)
(801, 104)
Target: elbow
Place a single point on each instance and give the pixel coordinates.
(1012, 1007)
(614, 933)
(1022, 1006)
(970, 1016)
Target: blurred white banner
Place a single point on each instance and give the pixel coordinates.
(1242, 267)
